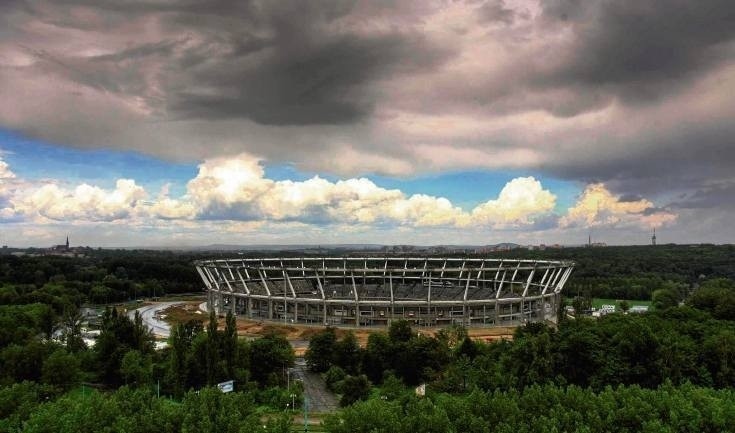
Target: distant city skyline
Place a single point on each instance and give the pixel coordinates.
(155, 123)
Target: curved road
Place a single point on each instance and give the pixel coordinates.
(148, 313)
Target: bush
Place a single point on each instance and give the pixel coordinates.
(334, 378)
(355, 388)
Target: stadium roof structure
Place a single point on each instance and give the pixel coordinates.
(373, 291)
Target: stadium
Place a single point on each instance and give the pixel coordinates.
(373, 291)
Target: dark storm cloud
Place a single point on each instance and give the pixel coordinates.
(629, 198)
(128, 7)
(163, 48)
(721, 195)
(629, 93)
(301, 83)
(496, 11)
(639, 50)
(655, 210)
(276, 63)
(683, 158)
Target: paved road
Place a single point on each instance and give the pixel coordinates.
(158, 327)
(320, 399)
(299, 344)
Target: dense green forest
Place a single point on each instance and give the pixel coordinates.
(104, 276)
(101, 276)
(545, 408)
(669, 370)
(666, 371)
(676, 346)
(635, 272)
(25, 407)
(124, 353)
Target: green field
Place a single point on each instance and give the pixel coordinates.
(599, 302)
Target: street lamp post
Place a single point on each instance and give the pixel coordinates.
(306, 414)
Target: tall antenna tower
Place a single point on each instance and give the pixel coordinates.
(653, 238)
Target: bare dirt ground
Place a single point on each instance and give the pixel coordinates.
(302, 333)
(184, 312)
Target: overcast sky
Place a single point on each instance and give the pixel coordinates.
(165, 122)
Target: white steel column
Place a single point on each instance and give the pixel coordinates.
(357, 300)
(324, 298)
(261, 273)
(293, 293)
(392, 301)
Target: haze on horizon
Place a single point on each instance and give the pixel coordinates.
(182, 122)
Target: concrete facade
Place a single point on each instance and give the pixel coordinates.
(372, 291)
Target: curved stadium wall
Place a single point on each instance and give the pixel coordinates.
(372, 291)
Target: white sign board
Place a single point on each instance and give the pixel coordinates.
(228, 386)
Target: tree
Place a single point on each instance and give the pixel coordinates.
(136, 368)
(578, 350)
(142, 336)
(347, 353)
(47, 320)
(452, 336)
(531, 357)
(119, 335)
(663, 299)
(23, 362)
(378, 356)
(212, 348)
(229, 344)
(334, 378)
(467, 348)
(400, 331)
(320, 353)
(725, 309)
(392, 387)
(635, 351)
(17, 403)
(716, 296)
(269, 356)
(420, 359)
(375, 416)
(180, 341)
(624, 306)
(61, 369)
(72, 329)
(354, 388)
(719, 351)
(212, 411)
(581, 304)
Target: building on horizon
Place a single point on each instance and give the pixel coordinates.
(64, 249)
(61, 247)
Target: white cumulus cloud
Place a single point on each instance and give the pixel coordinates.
(236, 188)
(597, 206)
(83, 203)
(236, 191)
(520, 199)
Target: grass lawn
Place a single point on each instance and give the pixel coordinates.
(599, 302)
